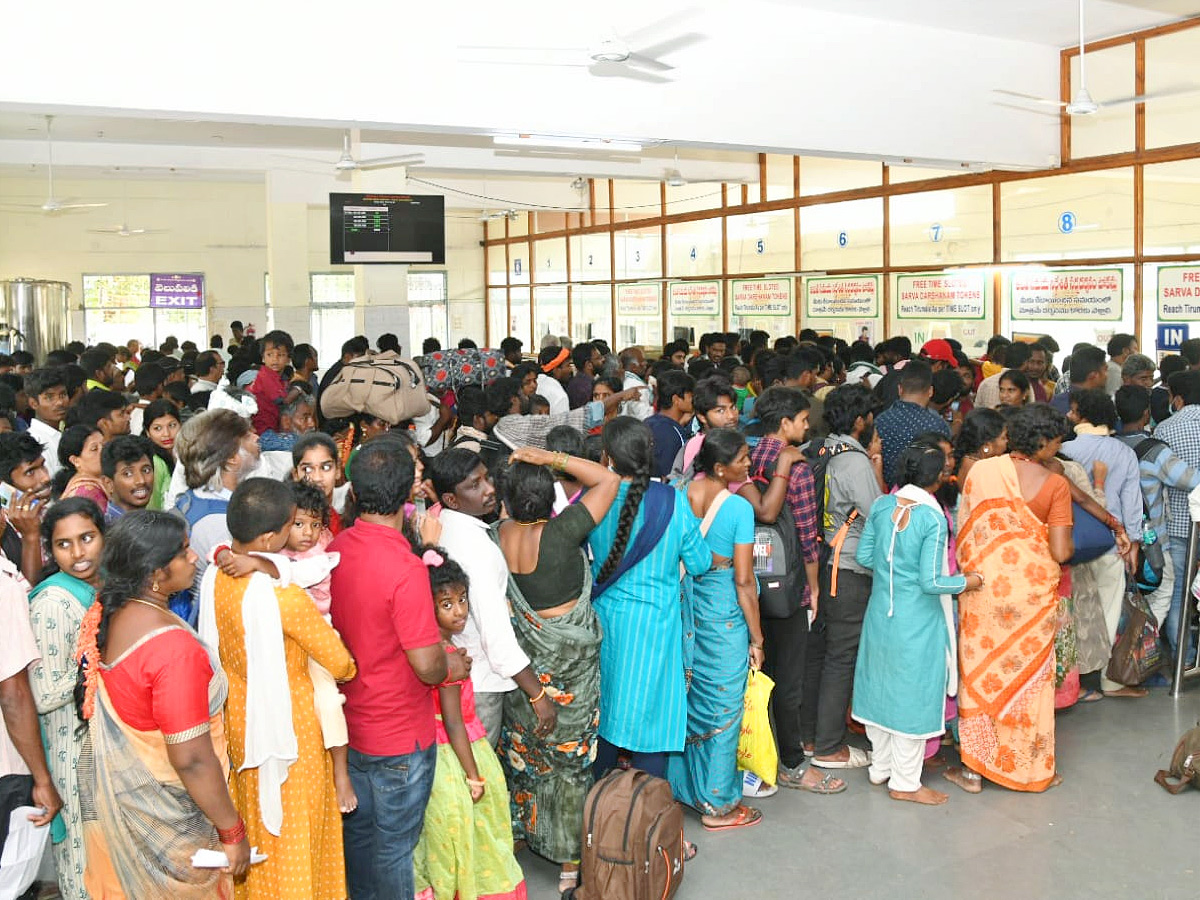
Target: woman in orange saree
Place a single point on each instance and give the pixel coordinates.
(1015, 529)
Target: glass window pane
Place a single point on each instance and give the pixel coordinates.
(497, 267)
(1172, 296)
(590, 257)
(1110, 76)
(901, 174)
(518, 225)
(116, 325)
(843, 235)
(636, 200)
(110, 291)
(639, 315)
(821, 175)
(694, 248)
(762, 242)
(1086, 215)
(551, 313)
(639, 253)
(592, 314)
(518, 263)
(1170, 65)
(519, 321)
(780, 180)
(332, 288)
(331, 326)
(551, 258)
(497, 316)
(1172, 197)
(544, 220)
(693, 196)
(763, 303)
(427, 314)
(601, 216)
(942, 227)
(183, 324)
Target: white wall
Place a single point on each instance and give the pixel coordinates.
(215, 227)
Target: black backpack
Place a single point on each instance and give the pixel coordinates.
(778, 562)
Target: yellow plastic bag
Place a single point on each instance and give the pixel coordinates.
(756, 746)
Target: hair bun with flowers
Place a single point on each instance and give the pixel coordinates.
(432, 559)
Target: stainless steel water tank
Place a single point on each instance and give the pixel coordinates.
(35, 315)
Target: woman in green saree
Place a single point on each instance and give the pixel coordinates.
(549, 589)
(73, 535)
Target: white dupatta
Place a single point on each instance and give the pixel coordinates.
(922, 497)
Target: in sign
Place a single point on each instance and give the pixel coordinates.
(1171, 336)
(1067, 222)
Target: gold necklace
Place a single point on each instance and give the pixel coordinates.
(534, 522)
(160, 608)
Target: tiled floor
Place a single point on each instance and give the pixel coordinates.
(1107, 832)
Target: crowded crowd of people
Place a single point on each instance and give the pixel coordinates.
(388, 654)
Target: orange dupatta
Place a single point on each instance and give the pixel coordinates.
(1006, 632)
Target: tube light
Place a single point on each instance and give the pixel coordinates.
(567, 143)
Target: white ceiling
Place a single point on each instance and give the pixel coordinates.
(1054, 23)
(244, 89)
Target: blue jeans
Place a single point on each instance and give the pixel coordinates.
(1178, 548)
(382, 833)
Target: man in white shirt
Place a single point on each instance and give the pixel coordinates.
(633, 361)
(48, 398)
(556, 371)
(467, 494)
(210, 369)
(21, 751)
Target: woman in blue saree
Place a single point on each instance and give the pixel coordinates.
(73, 534)
(637, 549)
(722, 638)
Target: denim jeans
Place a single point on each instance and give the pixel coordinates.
(382, 833)
(1178, 549)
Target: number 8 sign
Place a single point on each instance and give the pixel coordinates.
(1066, 222)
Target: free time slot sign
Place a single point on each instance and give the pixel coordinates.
(177, 291)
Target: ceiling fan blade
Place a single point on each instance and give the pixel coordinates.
(525, 56)
(1144, 98)
(1029, 109)
(648, 63)
(383, 162)
(1029, 97)
(670, 45)
(80, 206)
(668, 25)
(621, 70)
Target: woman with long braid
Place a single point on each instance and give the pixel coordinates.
(153, 769)
(637, 549)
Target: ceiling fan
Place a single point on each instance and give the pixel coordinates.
(348, 163)
(636, 55)
(672, 176)
(510, 214)
(54, 204)
(1082, 103)
(124, 230)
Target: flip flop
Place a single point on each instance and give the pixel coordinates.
(747, 817)
(689, 851)
(1131, 693)
(858, 759)
(1090, 696)
(824, 786)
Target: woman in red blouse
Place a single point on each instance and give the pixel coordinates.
(153, 767)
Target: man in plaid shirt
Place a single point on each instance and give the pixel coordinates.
(1181, 433)
(783, 412)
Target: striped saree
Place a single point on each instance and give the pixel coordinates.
(140, 825)
(1006, 632)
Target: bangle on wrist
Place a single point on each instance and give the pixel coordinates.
(475, 782)
(217, 550)
(538, 697)
(756, 646)
(234, 835)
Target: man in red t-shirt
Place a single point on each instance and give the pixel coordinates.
(383, 608)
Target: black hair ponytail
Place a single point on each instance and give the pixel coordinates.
(628, 444)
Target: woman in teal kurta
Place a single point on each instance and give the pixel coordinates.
(906, 659)
(73, 532)
(722, 637)
(637, 549)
